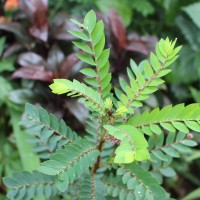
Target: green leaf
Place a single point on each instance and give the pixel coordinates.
(193, 125)
(155, 62)
(79, 35)
(98, 48)
(92, 81)
(148, 71)
(133, 145)
(147, 130)
(104, 71)
(163, 73)
(181, 127)
(2, 43)
(90, 21)
(5, 88)
(168, 127)
(195, 94)
(140, 79)
(144, 7)
(125, 9)
(193, 12)
(83, 47)
(189, 143)
(103, 58)
(91, 97)
(144, 181)
(86, 58)
(159, 154)
(140, 191)
(123, 84)
(92, 188)
(148, 76)
(179, 117)
(159, 141)
(155, 128)
(88, 72)
(7, 64)
(180, 136)
(32, 161)
(170, 138)
(67, 166)
(47, 132)
(26, 185)
(59, 86)
(195, 194)
(134, 66)
(76, 22)
(171, 152)
(168, 172)
(156, 82)
(116, 188)
(98, 32)
(182, 148)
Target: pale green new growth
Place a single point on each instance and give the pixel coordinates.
(145, 78)
(122, 154)
(133, 145)
(91, 97)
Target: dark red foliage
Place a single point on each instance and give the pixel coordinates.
(66, 66)
(117, 28)
(36, 10)
(33, 72)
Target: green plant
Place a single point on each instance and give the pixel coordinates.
(125, 151)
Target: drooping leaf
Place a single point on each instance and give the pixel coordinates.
(145, 186)
(48, 133)
(71, 162)
(174, 145)
(26, 185)
(92, 188)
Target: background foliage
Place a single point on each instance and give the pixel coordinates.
(35, 48)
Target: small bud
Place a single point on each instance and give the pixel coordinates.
(121, 110)
(189, 136)
(108, 103)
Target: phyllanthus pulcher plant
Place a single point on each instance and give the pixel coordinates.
(123, 155)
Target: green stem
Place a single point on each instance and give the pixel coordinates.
(30, 160)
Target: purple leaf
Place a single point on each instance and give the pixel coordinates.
(117, 27)
(31, 59)
(59, 26)
(34, 73)
(55, 58)
(36, 11)
(68, 63)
